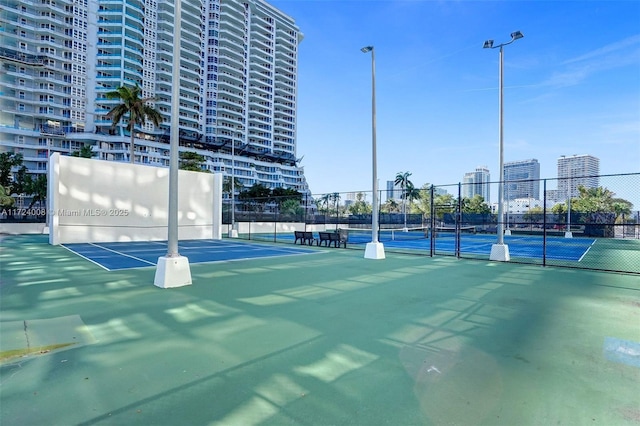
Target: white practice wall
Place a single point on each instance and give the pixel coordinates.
(101, 201)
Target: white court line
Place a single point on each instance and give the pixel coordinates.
(86, 258)
(586, 251)
(240, 259)
(122, 254)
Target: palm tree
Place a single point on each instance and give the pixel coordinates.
(412, 194)
(226, 185)
(38, 189)
(323, 203)
(390, 206)
(336, 199)
(135, 108)
(85, 152)
(402, 179)
(192, 161)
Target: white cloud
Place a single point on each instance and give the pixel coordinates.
(610, 48)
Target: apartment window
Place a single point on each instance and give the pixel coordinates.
(21, 95)
(22, 45)
(21, 107)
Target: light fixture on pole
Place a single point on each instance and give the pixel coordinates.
(500, 251)
(173, 269)
(374, 249)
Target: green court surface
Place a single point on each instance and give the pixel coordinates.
(332, 339)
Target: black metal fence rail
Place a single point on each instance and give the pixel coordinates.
(565, 224)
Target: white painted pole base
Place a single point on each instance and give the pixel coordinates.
(172, 272)
(233, 233)
(507, 232)
(374, 251)
(568, 234)
(500, 252)
(45, 230)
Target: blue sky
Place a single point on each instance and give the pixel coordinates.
(571, 86)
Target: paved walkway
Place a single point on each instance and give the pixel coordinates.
(315, 340)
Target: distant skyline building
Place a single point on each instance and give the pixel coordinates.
(575, 171)
(393, 191)
(238, 83)
(477, 183)
(522, 179)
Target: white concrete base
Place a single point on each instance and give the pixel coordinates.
(374, 251)
(507, 232)
(172, 272)
(568, 234)
(233, 233)
(500, 252)
(45, 230)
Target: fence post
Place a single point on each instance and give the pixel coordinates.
(458, 220)
(544, 222)
(432, 225)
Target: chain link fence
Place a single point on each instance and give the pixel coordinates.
(588, 222)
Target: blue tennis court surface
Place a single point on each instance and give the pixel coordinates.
(524, 246)
(121, 255)
(557, 248)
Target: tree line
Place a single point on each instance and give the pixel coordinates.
(414, 200)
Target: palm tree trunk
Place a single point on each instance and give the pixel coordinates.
(132, 153)
(404, 207)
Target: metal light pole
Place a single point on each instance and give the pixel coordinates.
(173, 269)
(374, 249)
(233, 233)
(507, 231)
(567, 232)
(500, 251)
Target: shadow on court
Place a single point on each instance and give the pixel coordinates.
(316, 340)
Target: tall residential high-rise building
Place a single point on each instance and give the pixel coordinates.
(575, 171)
(522, 179)
(393, 191)
(238, 83)
(477, 183)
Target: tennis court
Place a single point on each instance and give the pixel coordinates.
(419, 240)
(333, 339)
(140, 254)
(523, 246)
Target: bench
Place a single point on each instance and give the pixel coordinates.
(304, 237)
(337, 238)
